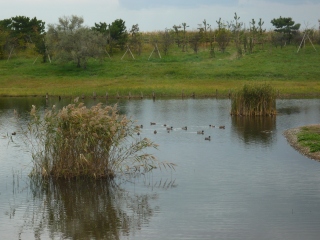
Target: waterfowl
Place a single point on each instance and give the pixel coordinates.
(207, 138)
(222, 127)
(169, 128)
(212, 126)
(155, 132)
(141, 126)
(152, 123)
(266, 131)
(138, 133)
(184, 128)
(14, 133)
(200, 132)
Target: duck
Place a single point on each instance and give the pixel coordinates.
(141, 126)
(184, 128)
(169, 128)
(14, 133)
(155, 132)
(152, 123)
(266, 131)
(222, 127)
(212, 126)
(138, 133)
(200, 132)
(207, 138)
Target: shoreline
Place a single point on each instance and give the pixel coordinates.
(292, 139)
(161, 95)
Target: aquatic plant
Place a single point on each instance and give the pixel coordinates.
(254, 100)
(96, 142)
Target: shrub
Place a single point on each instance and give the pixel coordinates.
(77, 141)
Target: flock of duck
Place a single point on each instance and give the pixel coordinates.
(184, 128)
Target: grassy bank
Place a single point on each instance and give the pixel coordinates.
(286, 70)
(306, 140)
(309, 137)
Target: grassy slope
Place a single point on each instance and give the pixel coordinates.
(285, 69)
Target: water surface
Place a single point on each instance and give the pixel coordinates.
(246, 183)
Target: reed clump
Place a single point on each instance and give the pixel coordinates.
(95, 142)
(254, 100)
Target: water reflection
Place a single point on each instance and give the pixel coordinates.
(246, 183)
(288, 110)
(254, 129)
(22, 105)
(85, 209)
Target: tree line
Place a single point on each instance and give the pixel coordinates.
(71, 40)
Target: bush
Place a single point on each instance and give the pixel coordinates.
(77, 141)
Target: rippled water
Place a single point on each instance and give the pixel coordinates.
(246, 183)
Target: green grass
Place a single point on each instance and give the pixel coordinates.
(310, 137)
(289, 72)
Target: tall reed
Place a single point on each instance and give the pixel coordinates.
(254, 100)
(97, 142)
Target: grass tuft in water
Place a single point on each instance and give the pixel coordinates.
(95, 142)
(254, 100)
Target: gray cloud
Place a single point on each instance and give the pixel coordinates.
(147, 4)
(140, 4)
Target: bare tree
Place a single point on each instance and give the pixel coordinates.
(135, 39)
(184, 43)
(253, 31)
(195, 41)
(176, 30)
(166, 42)
(222, 35)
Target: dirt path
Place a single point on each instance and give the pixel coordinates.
(291, 136)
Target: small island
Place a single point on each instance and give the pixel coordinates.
(305, 139)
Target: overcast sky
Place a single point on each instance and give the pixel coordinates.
(152, 15)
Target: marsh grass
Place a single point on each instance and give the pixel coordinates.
(96, 142)
(254, 100)
(310, 137)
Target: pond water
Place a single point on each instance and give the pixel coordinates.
(246, 183)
